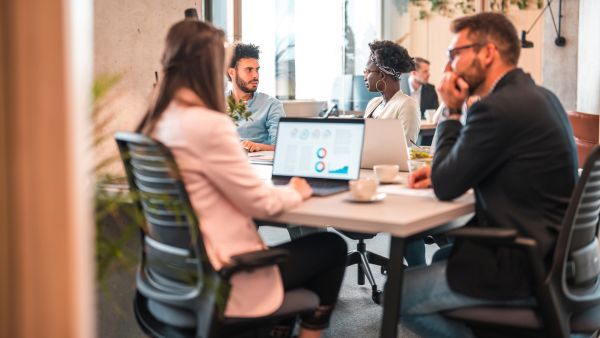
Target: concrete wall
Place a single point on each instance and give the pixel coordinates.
(588, 71)
(129, 39)
(559, 65)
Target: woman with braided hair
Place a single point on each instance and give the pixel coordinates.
(387, 62)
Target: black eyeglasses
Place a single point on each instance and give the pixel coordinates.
(452, 53)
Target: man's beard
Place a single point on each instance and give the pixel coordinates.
(474, 76)
(243, 85)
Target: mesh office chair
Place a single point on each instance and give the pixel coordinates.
(179, 293)
(568, 294)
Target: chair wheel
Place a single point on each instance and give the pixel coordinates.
(384, 270)
(376, 296)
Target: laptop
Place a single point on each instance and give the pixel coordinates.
(326, 152)
(385, 143)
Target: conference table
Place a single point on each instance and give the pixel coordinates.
(404, 214)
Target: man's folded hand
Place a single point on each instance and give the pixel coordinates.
(420, 178)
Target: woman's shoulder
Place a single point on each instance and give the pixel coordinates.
(194, 117)
(405, 101)
(198, 121)
(375, 100)
(201, 114)
(403, 98)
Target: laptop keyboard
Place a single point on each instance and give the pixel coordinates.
(324, 190)
(320, 187)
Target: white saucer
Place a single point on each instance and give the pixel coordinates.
(377, 198)
(396, 180)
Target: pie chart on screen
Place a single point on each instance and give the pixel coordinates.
(321, 152)
(320, 166)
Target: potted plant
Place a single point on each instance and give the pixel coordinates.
(116, 220)
(237, 110)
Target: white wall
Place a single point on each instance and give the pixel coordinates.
(559, 65)
(588, 70)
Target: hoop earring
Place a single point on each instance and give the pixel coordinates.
(377, 86)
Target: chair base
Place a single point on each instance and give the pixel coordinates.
(362, 258)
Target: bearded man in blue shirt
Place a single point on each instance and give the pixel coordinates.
(259, 132)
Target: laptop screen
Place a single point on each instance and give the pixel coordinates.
(319, 148)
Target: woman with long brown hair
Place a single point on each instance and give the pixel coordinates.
(187, 115)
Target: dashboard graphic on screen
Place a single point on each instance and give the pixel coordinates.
(324, 149)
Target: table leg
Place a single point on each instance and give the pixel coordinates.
(393, 289)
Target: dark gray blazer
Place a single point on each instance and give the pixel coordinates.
(517, 152)
(429, 99)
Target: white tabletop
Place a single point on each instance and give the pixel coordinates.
(402, 213)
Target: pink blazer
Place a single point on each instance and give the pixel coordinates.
(226, 194)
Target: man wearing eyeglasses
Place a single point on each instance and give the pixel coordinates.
(516, 151)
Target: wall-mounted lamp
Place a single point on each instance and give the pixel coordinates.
(560, 41)
(191, 14)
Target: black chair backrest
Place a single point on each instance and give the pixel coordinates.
(175, 270)
(577, 256)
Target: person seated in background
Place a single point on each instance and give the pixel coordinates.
(516, 151)
(416, 84)
(259, 132)
(189, 117)
(387, 62)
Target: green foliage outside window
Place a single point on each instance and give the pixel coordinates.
(449, 8)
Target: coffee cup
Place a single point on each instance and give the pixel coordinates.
(363, 189)
(386, 173)
(429, 115)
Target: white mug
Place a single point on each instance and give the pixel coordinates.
(363, 189)
(386, 172)
(429, 115)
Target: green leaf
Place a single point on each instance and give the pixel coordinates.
(237, 110)
(103, 83)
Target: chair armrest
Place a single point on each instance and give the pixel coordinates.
(249, 261)
(497, 236)
(506, 238)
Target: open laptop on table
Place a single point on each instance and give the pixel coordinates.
(326, 152)
(385, 143)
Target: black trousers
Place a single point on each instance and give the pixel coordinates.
(316, 262)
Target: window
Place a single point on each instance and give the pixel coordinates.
(307, 44)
